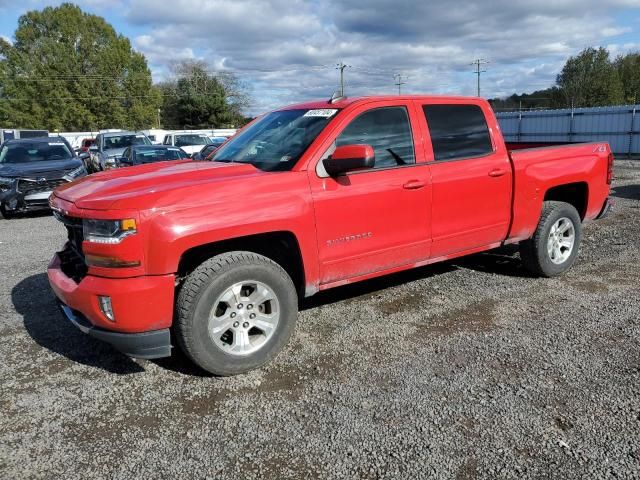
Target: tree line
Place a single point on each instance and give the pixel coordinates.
(70, 70)
(590, 79)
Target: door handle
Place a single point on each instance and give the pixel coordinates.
(413, 185)
(498, 172)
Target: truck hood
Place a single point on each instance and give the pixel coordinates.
(49, 170)
(144, 186)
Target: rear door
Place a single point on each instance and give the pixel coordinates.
(471, 177)
(374, 219)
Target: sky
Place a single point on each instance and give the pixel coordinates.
(286, 51)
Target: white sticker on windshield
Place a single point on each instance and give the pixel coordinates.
(51, 144)
(321, 112)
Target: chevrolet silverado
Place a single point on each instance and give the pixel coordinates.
(214, 256)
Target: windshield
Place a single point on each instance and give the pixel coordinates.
(149, 155)
(276, 141)
(34, 152)
(188, 140)
(124, 141)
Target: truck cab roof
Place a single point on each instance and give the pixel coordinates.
(346, 101)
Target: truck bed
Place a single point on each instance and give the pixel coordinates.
(538, 169)
(525, 145)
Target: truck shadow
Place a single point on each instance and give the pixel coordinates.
(32, 214)
(502, 261)
(43, 321)
(46, 325)
(631, 192)
(368, 287)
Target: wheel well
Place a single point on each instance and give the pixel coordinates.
(281, 247)
(575, 194)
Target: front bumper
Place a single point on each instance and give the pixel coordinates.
(154, 344)
(142, 307)
(16, 202)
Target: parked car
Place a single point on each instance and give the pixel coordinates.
(189, 142)
(31, 168)
(110, 146)
(304, 199)
(86, 143)
(208, 150)
(141, 154)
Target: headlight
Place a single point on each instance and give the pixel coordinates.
(108, 231)
(78, 172)
(6, 183)
(110, 162)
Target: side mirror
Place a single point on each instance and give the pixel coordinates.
(347, 158)
(84, 156)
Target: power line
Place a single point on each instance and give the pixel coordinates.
(478, 62)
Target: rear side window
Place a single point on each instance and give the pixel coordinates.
(387, 130)
(457, 131)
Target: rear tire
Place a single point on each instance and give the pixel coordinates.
(235, 312)
(554, 246)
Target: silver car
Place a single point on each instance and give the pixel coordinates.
(110, 146)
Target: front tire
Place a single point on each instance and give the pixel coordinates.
(6, 214)
(554, 246)
(235, 312)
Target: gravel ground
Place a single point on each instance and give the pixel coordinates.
(468, 369)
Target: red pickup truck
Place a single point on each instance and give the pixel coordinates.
(216, 255)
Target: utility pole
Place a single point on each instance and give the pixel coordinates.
(399, 82)
(341, 66)
(478, 63)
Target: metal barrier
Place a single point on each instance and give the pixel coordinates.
(617, 125)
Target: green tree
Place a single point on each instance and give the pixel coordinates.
(628, 67)
(547, 98)
(590, 80)
(195, 98)
(69, 70)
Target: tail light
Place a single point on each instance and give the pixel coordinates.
(610, 169)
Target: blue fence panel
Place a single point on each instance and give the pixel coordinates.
(620, 126)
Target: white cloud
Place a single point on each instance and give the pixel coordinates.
(287, 49)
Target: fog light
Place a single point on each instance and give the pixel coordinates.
(105, 306)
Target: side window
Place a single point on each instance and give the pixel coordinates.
(457, 131)
(387, 130)
(167, 140)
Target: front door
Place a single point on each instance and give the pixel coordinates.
(374, 219)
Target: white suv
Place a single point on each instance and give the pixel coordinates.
(189, 142)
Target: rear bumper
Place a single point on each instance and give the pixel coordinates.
(606, 208)
(154, 344)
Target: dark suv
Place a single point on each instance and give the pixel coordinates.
(31, 168)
